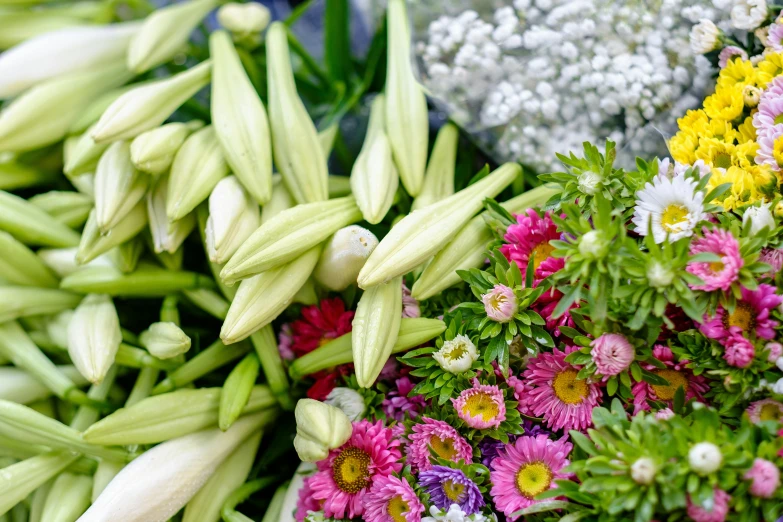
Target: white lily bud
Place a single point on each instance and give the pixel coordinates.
(169, 475)
(374, 178)
(319, 428)
(233, 216)
(760, 218)
(244, 21)
(81, 154)
(167, 236)
(56, 53)
(165, 33)
(68, 498)
(344, 256)
(17, 385)
(291, 498)
(153, 151)
(297, 149)
(407, 123)
(165, 340)
(94, 244)
(197, 168)
(57, 328)
(375, 328)
(439, 177)
(94, 337)
(118, 186)
(148, 105)
(239, 118)
(18, 24)
(63, 260)
(281, 200)
(20, 479)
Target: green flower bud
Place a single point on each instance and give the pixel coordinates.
(236, 390)
(421, 234)
(62, 261)
(281, 200)
(197, 168)
(19, 480)
(96, 108)
(104, 473)
(148, 280)
(23, 301)
(31, 225)
(118, 186)
(344, 256)
(265, 345)
(133, 357)
(94, 244)
(68, 498)
(81, 154)
(94, 336)
(375, 328)
(240, 121)
(69, 208)
(153, 151)
(319, 428)
(148, 105)
(297, 149)
(167, 236)
(439, 176)
(374, 178)
(244, 21)
(20, 266)
(215, 356)
(233, 216)
(165, 340)
(265, 296)
(20, 386)
(326, 137)
(289, 234)
(20, 24)
(407, 123)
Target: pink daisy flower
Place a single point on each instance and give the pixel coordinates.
(676, 373)
(775, 38)
(766, 140)
(530, 236)
(345, 476)
(391, 499)
(525, 469)
(738, 351)
(774, 258)
(765, 410)
(713, 510)
(751, 315)
(442, 438)
(770, 109)
(765, 478)
(306, 501)
(410, 306)
(612, 354)
(398, 405)
(553, 392)
(775, 350)
(718, 275)
(319, 325)
(481, 407)
(729, 52)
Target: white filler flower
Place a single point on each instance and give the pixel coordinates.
(673, 206)
(705, 458)
(457, 355)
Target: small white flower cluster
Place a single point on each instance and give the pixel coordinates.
(543, 76)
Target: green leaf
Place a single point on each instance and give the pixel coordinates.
(542, 507)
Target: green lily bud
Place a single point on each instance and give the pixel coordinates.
(319, 428)
(153, 151)
(125, 256)
(69, 208)
(23, 301)
(413, 332)
(215, 356)
(244, 21)
(167, 236)
(62, 261)
(339, 186)
(275, 509)
(42, 115)
(297, 149)
(233, 217)
(14, 175)
(209, 301)
(104, 473)
(265, 346)
(439, 177)
(236, 390)
(197, 168)
(94, 336)
(240, 121)
(147, 106)
(19, 480)
(37, 501)
(374, 178)
(94, 244)
(20, 266)
(96, 108)
(165, 340)
(407, 123)
(205, 506)
(249, 311)
(165, 33)
(375, 328)
(31, 225)
(468, 247)
(83, 182)
(289, 234)
(68, 498)
(81, 154)
(307, 295)
(421, 234)
(281, 200)
(133, 357)
(326, 137)
(148, 280)
(170, 415)
(118, 186)
(17, 385)
(20, 24)
(344, 256)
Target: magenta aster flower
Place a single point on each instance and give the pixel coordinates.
(410, 306)
(545, 306)
(676, 373)
(306, 501)
(525, 469)
(481, 407)
(442, 438)
(718, 275)
(774, 258)
(448, 486)
(775, 351)
(285, 341)
(553, 392)
(729, 52)
(530, 237)
(391, 499)
(765, 410)
(612, 354)
(345, 476)
(765, 478)
(714, 510)
(500, 303)
(738, 351)
(751, 315)
(398, 405)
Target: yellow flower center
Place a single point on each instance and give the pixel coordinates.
(534, 479)
(396, 509)
(456, 353)
(542, 252)
(777, 151)
(568, 388)
(717, 266)
(496, 300)
(744, 316)
(481, 404)
(722, 160)
(673, 215)
(443, 448)
(453, 490)
(349, 470)
(676, 380)
(770, 412)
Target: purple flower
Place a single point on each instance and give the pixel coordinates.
(397, 403)
(448, 486)
(730, 52)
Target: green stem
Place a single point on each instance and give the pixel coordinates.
(268, 354)
(217, 355)
(240, 495)
(137, 358)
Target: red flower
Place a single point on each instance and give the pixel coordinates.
(319, 325)
(323, 386)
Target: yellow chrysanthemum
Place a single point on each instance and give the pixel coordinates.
(739, 73)
(683, 146)
(725, 104)
(695, 121)
(765, 179)
(745, 154)
(743, 188)
(720, 130)
(746, 131)
(716, 153)
(768, 68)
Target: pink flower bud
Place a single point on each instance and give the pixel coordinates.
(612, 354)
(500, 304)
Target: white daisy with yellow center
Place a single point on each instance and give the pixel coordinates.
(673, 206)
